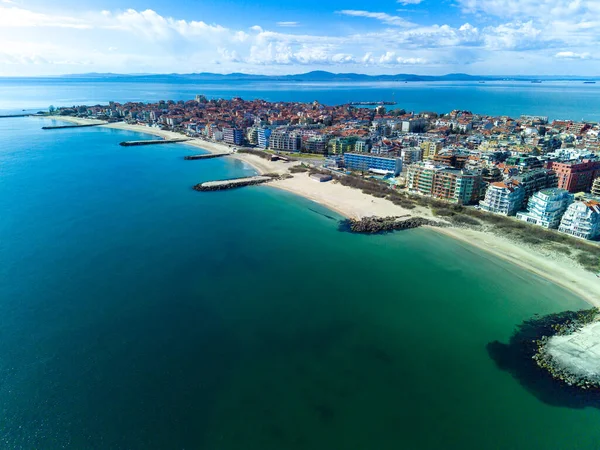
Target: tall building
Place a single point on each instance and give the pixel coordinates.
(547, 207)
(535, 181)
(378, 164)
(596, 187)
(263, 135)
(413, 125)
(316, 144)
(252, 135)
(411, 155)
(582, 220)
(285, 141)
(430, 148)
(576, 176)
(503, 197)
(339, 146)
(233, 136)
(459, 186)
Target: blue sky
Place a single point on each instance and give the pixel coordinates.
(38, 37)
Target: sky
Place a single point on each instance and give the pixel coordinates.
(480, 37)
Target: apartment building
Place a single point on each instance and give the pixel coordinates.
(372, 163)
(503, 197)
(233, 136)
(576, 176)
(596, 187)
(582, 220)
(547, 207)
(459, 186)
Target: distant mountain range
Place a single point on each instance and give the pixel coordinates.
(323, 76)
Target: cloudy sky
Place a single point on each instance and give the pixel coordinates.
(557, 37)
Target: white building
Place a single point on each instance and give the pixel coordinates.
(503, 197)
(582, 220)
(546, 207)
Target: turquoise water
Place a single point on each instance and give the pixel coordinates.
(137, 313)
(558, 99)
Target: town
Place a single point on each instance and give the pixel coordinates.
(546, 173)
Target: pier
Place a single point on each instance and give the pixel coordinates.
(232, 183)
(152, 142)
(61, 127)
(206, 156)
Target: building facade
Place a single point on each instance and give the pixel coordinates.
(582, 220)
(503, 197)
(233, 136)
(576, 176)
(546, 207)
(378, 164)
(262, 136)
(285, 141)
(596, 187)
(454, 185)
(536, 180)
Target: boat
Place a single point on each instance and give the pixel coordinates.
(536, 81)
(589, 82)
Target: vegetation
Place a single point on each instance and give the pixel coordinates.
(299, 169)
(586, 253)
(259, 153)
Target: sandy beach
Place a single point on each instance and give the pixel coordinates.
(352, 203)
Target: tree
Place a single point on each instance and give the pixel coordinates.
(51, 109)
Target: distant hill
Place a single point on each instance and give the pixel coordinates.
(319, 76)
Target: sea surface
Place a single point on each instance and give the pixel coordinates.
(557, 99)
(136, 313)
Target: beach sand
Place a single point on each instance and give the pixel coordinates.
(352, 203)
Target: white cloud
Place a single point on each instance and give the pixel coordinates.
(572, 55)
(410, 2)
(383, 17)
(146, 41)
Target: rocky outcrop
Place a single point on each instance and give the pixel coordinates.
(373, 225)
(558, 370)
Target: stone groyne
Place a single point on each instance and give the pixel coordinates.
(60, 127)
(151, 142)
(374, 225)
(206, 156)
(222, 185)
(571, 354)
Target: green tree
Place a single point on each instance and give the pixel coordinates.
(51, 109)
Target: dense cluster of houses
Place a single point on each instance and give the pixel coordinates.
(546, 173)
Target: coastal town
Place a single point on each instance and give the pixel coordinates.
(546, 173)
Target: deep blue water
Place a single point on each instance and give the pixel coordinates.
(558, 100)
(136, 313)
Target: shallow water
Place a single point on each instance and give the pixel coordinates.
(138, 313)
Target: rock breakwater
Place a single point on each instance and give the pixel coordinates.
(571, 354)
(374, 225)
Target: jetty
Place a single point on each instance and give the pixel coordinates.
(232, 183)
(152, 142)
(375, 225)
(11, 116)
(61, 127)
(206, 156)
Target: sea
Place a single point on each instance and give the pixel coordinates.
(137, 313)
(569, 100)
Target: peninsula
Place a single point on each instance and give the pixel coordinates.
(524, 189)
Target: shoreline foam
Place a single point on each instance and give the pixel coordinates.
(352, 203)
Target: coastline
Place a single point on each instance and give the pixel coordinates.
(352, 203)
